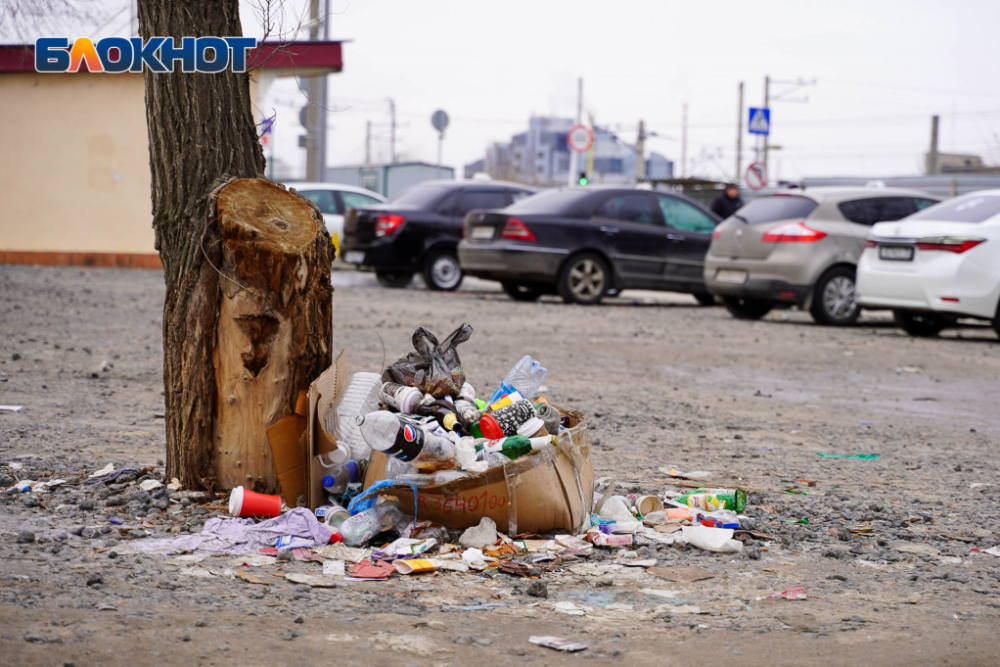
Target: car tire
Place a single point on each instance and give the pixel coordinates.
(584, 279)
(521, 291)
(704, 298)
(747, 309)
(393, 279)
(442, 272)
(922, 325)
(834, 302)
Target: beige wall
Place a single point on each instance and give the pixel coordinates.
(75, 164)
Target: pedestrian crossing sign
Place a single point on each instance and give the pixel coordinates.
(760, 121)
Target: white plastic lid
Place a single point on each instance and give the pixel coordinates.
(236, 501)
(530, 427)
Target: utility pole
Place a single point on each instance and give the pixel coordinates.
(392, 130)
(739, 138)
(640, 153)
(368, 143)
(767, 103)
(573, 155)
(321, 148)
(314, 118)
(932, 154)
(684, 142)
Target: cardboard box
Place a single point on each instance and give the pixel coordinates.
(297, 440)
(538, 493)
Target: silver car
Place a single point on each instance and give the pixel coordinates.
(801, 247)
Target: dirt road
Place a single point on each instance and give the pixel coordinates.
(891, 551)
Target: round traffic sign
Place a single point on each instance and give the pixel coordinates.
(439, 120)
(580, 138)
(756, 176)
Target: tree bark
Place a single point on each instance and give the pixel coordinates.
(201, 135)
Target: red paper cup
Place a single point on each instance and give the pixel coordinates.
(244, 502)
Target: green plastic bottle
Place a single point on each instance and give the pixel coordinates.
(715, 499)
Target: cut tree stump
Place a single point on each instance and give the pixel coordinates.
(273, 334)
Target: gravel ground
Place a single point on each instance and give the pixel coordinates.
(891, 552)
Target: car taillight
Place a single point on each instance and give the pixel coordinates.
(870, 243)
(716, 233)
(955, 244)
(388, 224)
(515, 230)
(792, 232)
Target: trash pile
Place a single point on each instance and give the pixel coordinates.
(411, 472)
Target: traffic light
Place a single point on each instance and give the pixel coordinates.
(583, 178)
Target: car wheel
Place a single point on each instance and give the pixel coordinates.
(924, 325)
(747, 309)
(705, 299)
(393, 279)
(584, 279)
(442, 271)
(522, 292)
(834, 302)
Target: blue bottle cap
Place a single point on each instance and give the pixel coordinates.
(328, 481)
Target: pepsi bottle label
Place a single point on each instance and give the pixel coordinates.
(409, 441)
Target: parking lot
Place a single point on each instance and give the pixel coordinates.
(662, 381)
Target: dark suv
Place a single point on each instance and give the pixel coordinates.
(419, 230)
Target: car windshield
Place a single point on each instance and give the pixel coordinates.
(419, 196)
(551, 202)
(775, 207)
(970, 208)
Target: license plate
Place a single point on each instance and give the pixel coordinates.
(354, 257)
(896, 253)
(482, 232)
(731, 276)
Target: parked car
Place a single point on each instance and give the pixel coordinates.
(333, 200)
(418, 230)
(583, 242)
(801, 247)
(936, 266)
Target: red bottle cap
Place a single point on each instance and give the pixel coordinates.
(490, 428)
(336, 538)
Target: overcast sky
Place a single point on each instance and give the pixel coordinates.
(883, 68)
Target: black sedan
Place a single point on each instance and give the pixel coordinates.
(419, 229)
(584, 242)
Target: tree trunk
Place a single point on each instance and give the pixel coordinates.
(202, 134)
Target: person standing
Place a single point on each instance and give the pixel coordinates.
(728, 202)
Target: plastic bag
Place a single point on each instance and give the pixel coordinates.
(433, 368)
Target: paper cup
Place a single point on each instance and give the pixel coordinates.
(244, 502)
(532, 428)
(413, 566)
(647, 504)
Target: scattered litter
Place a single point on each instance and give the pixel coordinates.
(473, 607)
(791, 593)
(150, 484)
(683, 574)
(717, 540)
(570, 608)
(11, 408)
(103, 471)
(993, 551)
(648, 562)
(311, 580)
(695, 475)
(863, 457)
(371, 571)
(251, 578)
(481, 536)
(558, 643)
(334, 568)
(678, 609)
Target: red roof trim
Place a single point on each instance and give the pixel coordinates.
(20, 58)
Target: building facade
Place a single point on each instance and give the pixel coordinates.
(541, 156)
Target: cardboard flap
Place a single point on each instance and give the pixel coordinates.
(287, 442)
(324, 392)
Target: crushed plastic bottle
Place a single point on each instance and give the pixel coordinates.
(365, 525)
(525, 377)
(361, 396)
(408, 440)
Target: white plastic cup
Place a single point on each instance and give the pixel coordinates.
(648, 504)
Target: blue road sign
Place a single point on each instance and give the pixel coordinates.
(760, 121)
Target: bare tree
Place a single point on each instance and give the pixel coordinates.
(247, 316)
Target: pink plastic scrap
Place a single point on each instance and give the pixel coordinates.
(791, 593)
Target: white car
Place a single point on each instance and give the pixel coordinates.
(936, 265)
(333, 200)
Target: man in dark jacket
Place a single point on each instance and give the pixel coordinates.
(728, 202)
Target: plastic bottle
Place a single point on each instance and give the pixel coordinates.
(715, 499)
(332, 514)
(365, 525)
(402, 398)
(515, 446)
(407, 440)
(506, 421)
(360, 397)
(525, 377)
(336, 483)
